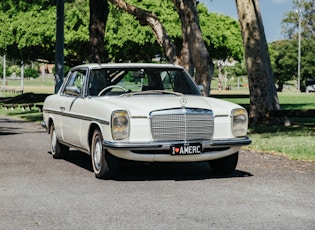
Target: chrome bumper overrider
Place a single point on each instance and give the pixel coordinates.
(43, 124)
(167, 145)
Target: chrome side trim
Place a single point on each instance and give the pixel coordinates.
(76, 116)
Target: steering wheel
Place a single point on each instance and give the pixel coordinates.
(111, 87)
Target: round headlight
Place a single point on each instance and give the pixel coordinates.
(239, 122)
(120, 125)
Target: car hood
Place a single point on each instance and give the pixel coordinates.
(142, 105)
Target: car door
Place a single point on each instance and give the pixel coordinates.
(71, 107)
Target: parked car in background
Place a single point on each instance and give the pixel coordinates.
(142, 112)
(310, 85)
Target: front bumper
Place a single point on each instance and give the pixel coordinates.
(208, 144)
(161, 151)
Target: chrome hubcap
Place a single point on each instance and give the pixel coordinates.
(97, 154)
(53, 141)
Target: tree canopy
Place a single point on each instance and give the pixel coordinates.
(28, 31)
(124, 35)
(290, 23)
(221, 34)
(285, 52)
(284, 61)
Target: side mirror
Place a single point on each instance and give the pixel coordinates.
(73, 90)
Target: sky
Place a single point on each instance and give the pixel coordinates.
(272, 12)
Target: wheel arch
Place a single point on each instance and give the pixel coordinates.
(93, 127)
(49, 123)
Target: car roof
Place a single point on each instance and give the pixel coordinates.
(126, 65)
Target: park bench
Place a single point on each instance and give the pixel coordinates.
(26, 106)
(11, 91)
(10, 106)
(293, 113)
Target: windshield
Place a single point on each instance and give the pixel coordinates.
(118, 81)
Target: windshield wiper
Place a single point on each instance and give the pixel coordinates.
(152, 92)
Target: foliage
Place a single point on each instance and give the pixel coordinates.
(27, 31)
(15, 69)
(76, 31)
(284, 54)
(221, 34)
(31, 73)
(285, 60)
(290, 22)
(238, 70)
(66, 69)
(126, 39)
(6, 71)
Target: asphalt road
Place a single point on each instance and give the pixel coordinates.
(38, 192)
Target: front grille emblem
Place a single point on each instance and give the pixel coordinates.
(183, 101)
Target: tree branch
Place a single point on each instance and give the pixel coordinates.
(147, 18)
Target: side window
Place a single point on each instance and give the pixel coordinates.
(99, 79)
(75, 82)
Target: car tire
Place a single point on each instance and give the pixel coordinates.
(225, 165)
(58, 150)
(105, 165)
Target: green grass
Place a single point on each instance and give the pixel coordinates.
(287, 101)
(38, 85)
(297, 101)
(33, 115)
(295, 142)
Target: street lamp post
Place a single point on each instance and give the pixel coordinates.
(299, 53)
(22, 77)
(4, 71)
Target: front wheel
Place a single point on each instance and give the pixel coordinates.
(105, 165)
(57, 149)
(225, 165)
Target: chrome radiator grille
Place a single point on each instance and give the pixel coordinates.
(182, 124)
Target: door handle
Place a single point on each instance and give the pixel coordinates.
(62, 109)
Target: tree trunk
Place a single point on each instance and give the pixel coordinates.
(98, 17)
(187, 11)
(263, 94)
(185, 56)
(59, 56)
(280, 86)
(193, 54)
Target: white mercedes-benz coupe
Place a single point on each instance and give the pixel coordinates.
(142, 112)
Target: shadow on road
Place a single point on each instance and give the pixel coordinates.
(12, 127)
(139, 171)
(9, 131)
